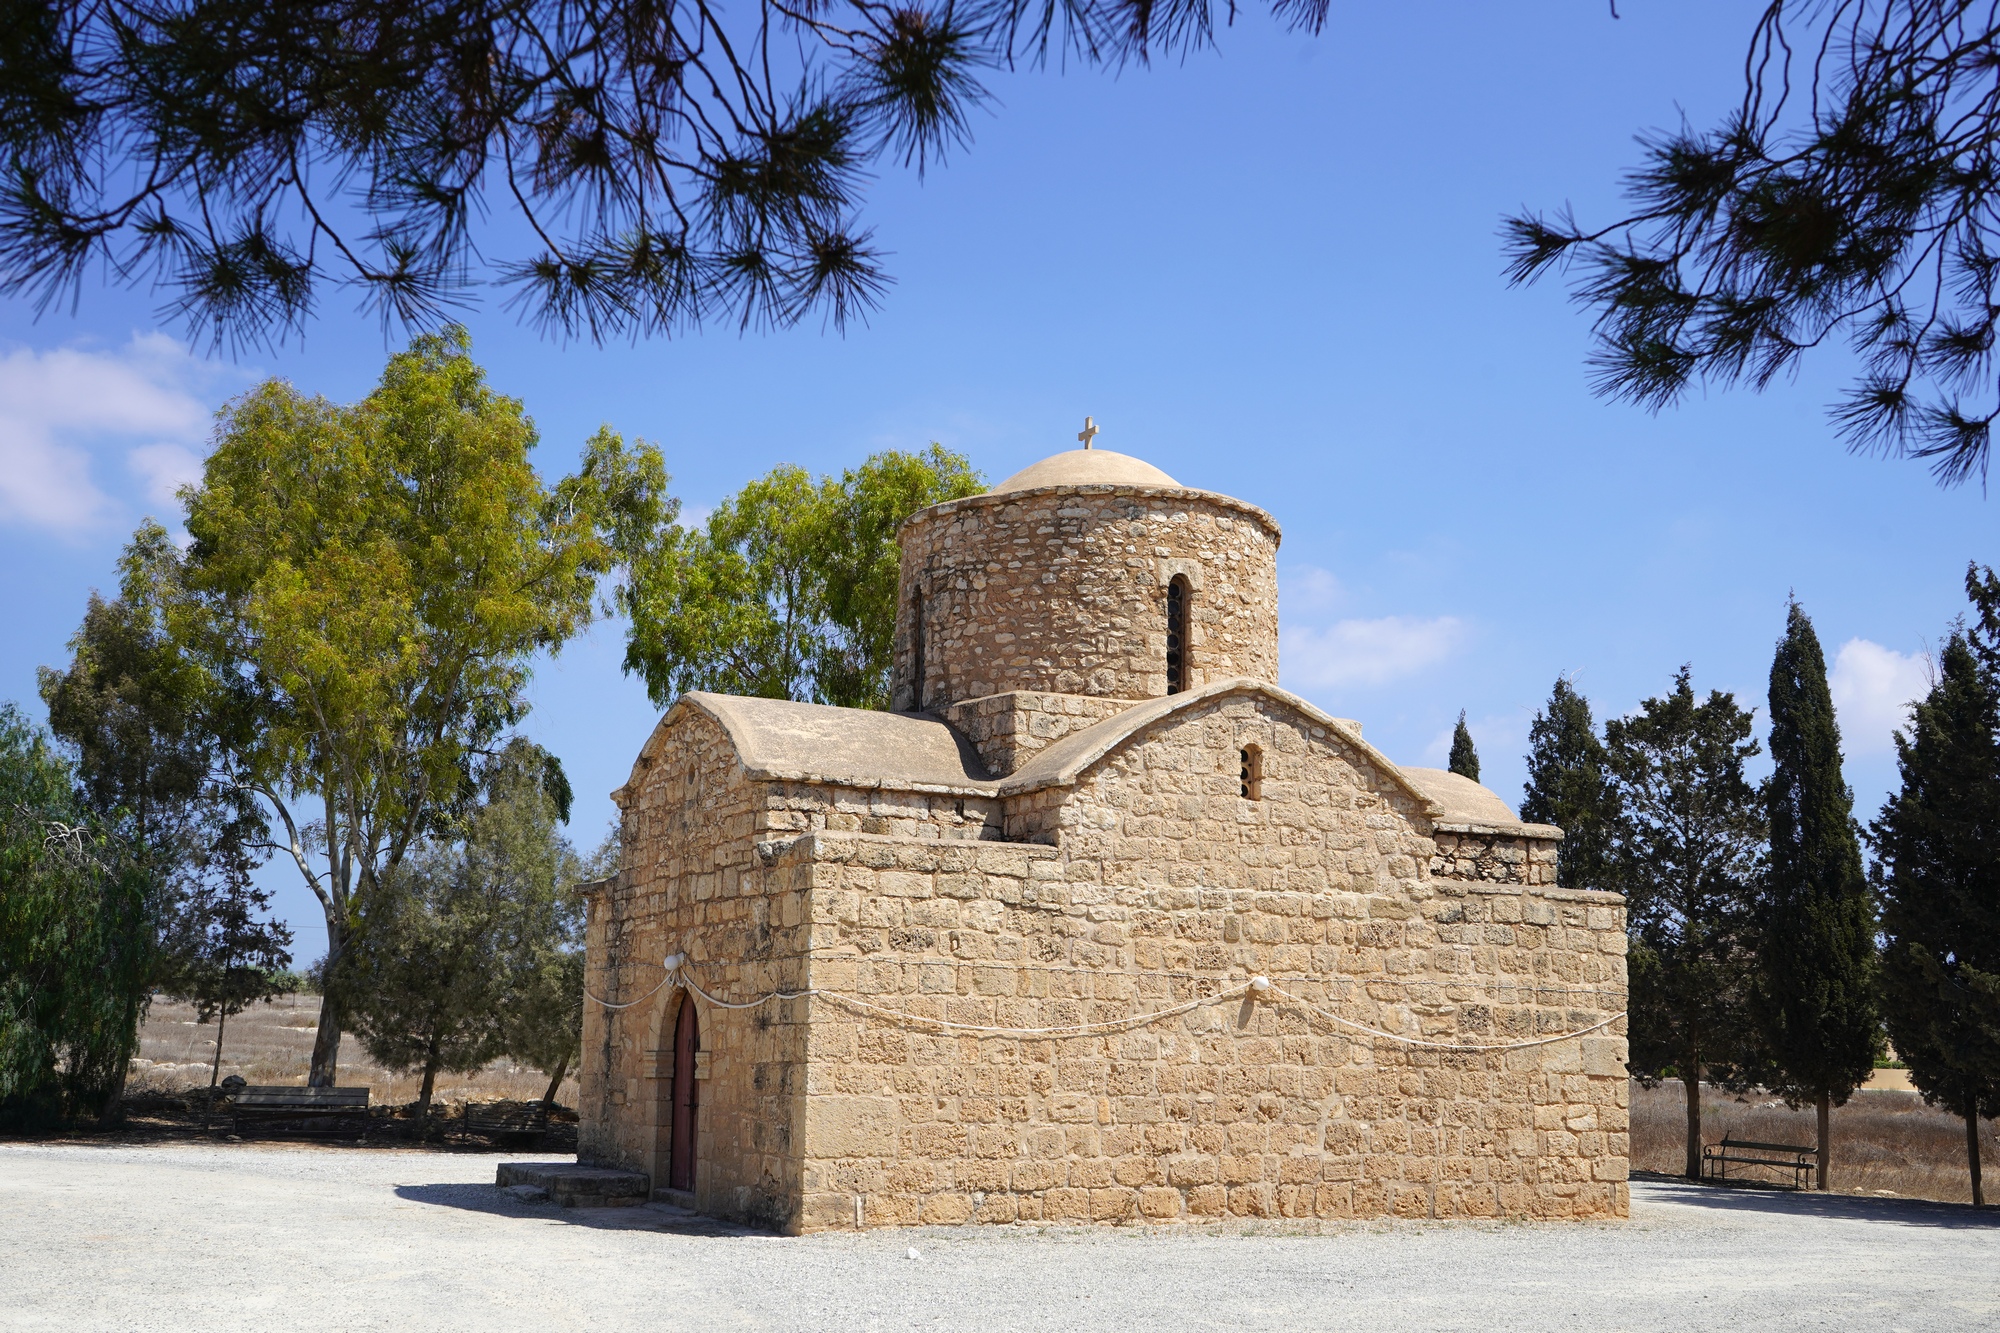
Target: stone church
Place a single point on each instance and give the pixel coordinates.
(1097, 925)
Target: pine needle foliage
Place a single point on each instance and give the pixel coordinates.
(1464, 758)
(1816, 984)
(635, 167)
(1940, 881)
(1853, 193)
(1570, 786)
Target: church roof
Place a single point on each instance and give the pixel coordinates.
(1461, 801)
(779, 740)
(1086, 467)
(851, 747)
(1068, 759)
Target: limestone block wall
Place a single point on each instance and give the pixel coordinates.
(1009, 729)
(1165, 885)
(1064, 590)
(695, 880)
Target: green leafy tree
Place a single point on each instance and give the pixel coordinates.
(1854, 192)
(77, 938)
(669, 162)
(1940, 888)
(1688, 854)
(1570, 786)
(1816, 986)
(437, 972)
(148, 733)
(789, 590)
(542, 1023)
(228, 953)
(1464, 758)
(374, 581)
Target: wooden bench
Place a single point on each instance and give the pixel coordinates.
(321, 1109)
(1800, 1160)
(506, 1120)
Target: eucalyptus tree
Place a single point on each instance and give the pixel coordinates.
(374, 581)
(788, 591)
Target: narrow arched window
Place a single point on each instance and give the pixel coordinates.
(1253, 772)
(1178, 597)
(916, 652)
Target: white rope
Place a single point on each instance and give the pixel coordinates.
(1332, 1017)
(1259, 988)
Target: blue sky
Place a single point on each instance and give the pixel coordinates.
(1273, 270)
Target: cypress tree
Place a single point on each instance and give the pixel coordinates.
(1940, 879)
(1687, 855)
(1570, 786)
(1815, 992)
(1464, 759)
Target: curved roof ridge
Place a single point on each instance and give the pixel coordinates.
(1062, 763)
(787, 741)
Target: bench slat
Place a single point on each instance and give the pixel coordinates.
(1768, 1147)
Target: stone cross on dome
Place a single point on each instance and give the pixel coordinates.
(1088, 432)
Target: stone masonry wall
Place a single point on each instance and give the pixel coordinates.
(695, 880)
(1064, 590)
(1009, 729)
(1166, 885)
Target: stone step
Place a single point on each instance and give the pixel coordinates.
(573, 1185)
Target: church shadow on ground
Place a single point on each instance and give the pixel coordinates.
(491, 1199)
(1750, 1198)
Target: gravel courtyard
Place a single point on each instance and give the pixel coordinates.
(195, 1237)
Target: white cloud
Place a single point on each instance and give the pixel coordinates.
(1366, 652)
(56, 406)
(165, 468)
(1307, 589)
(1873, 688)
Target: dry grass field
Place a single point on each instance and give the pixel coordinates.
(1884, 1143)
(272, 1043)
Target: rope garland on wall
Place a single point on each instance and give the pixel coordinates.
(1256, 988)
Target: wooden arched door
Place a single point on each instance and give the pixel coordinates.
(687, 1040)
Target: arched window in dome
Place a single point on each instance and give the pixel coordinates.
(1179, 596)
(917, 651)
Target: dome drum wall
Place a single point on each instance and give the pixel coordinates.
(1065, 589)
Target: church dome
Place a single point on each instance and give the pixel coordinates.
(1086, 467)
(1090, 573)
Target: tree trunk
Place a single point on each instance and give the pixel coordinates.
(112, 1113)
(326, 1041)
(1692, 1082)
(1972, 1149)
(215, 1070)
(1825, 1135)
(430, 1078)
(555, 1081)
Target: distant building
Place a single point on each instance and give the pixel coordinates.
(1098, 925)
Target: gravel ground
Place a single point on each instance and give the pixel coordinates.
(197, 1237)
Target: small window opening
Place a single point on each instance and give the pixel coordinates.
(1253, 773)
(916, 652)
(1177, 634)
